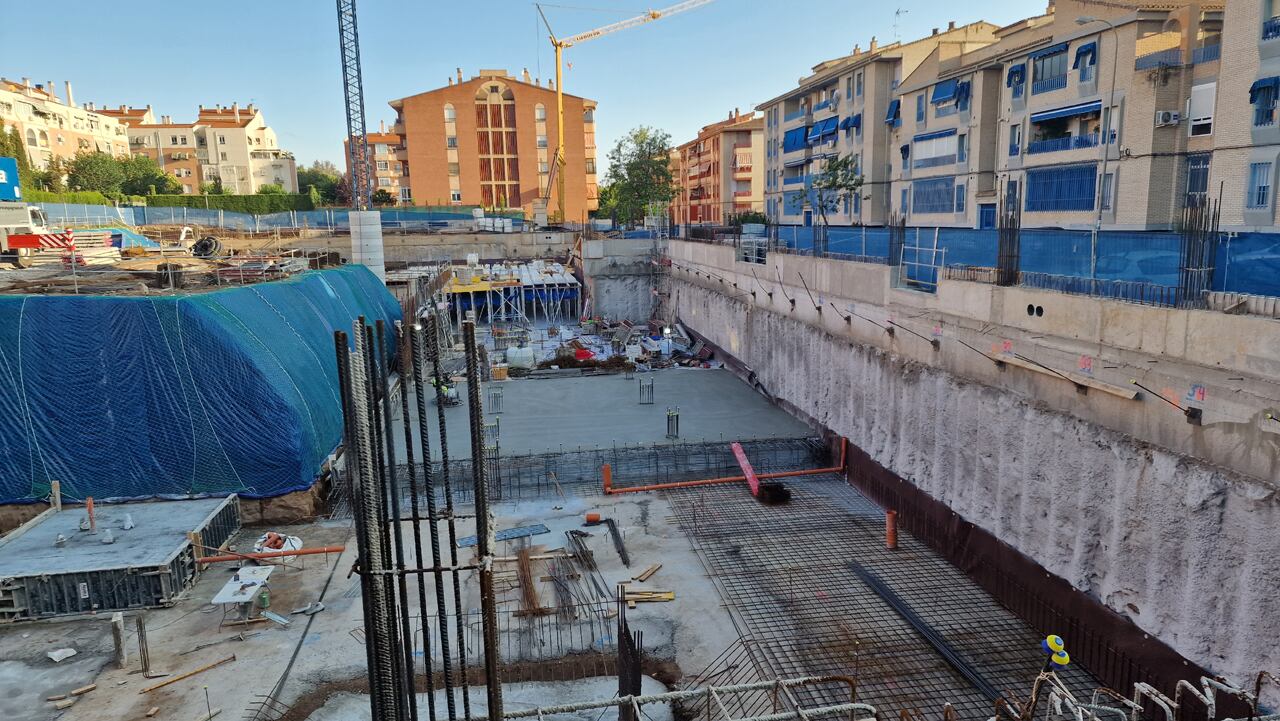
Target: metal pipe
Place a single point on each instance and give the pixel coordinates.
(484, 526)
(838, 468)
(271, 554)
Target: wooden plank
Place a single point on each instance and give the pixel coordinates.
(1068, 376)
(64, 703)
(644, 576)
(188, 674)
(84, 689)
(153, 711)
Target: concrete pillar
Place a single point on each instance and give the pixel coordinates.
(366, 241)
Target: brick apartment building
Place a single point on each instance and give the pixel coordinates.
(720, 173)
(389, 164)
(490, 141)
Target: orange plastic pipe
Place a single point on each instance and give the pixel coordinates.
(272, 554)
(610, 490)
(891, 530)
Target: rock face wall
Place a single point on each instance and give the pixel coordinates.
(1189, 552)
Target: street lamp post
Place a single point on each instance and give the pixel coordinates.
(1105, 140)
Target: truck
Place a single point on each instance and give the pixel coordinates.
(25, 230)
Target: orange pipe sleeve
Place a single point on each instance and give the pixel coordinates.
(272, 554)
(610, 490)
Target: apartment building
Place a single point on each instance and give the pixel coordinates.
(1246, 155)
(720, 173)
(54, 127)
(847, 106)
(389, 163)
(490, 140)
(231, 144)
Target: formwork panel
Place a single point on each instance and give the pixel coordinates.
(54, 568)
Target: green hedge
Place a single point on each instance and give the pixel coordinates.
(255, 204)
(87, 197)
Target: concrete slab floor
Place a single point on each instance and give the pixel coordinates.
(191, 622)
(548, 414)
(159, 529)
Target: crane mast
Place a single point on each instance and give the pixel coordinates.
(361, 181)
(561, 44)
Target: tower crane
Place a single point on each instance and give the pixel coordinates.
(561, 43)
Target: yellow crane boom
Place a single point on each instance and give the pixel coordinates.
(561, 43)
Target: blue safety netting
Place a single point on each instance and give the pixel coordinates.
(406, 219)
(233, 391)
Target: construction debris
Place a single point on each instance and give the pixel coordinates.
(634, 597)
(61, 654)
(188, 674)
(644, 575)
(84, 689)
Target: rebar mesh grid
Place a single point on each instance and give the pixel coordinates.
(784, 572)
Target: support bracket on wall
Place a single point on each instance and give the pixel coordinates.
(1194, 416)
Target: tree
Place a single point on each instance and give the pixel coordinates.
(640, 174)
(607, 201)
(96, 171)
(381, 196)
(342, 191)
(142, 176)
(830, 188)
(324, 176)
(17, 149)
(213, 188)
(271, 189)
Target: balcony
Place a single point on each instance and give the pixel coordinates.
(1070, 142)
(742, 193)
(802, 112)
(1271, 29)
(793, 180)
(1015, 150)
(1163, 58)
(934, 162)
(1047, 85)
(1206, 54)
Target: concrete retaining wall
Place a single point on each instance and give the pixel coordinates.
(1184, 548)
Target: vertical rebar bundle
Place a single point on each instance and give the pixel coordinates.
(673, 422)
(1199, 252)
(386, 562)
(646, 391)
(1009, 238)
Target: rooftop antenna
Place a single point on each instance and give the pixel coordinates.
(897, 17)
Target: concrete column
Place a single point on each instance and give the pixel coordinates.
(366, 241)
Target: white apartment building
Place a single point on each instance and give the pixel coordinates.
(53, 127)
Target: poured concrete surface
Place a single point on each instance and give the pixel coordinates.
(160, 529)
(28, 676)
(598, 411)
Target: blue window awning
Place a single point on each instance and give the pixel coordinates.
(906, 151)
(944, 92)
(822, 129)
(1017, 75)
(963, 90)
(934, 135)
(893, 116)
(855, 122)
(1051, 50)
(1086, 55)
(794, 163)
(1266, 83)
(1068, 112)
(794, 140)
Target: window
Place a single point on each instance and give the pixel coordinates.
(1015, 140)
(397, 168)
(1108, 189)
(591, 165)
(1049, 71)
(1070, 187)
(936, 195)
(1197, 180)
(450, 115)
(1011, 193)
(857, 84)
(1263, 97)
(380, 148)
(451, 141)
(962, 148)
(945, 109)
(186, 188)
(920, 114)
(405, 195)
(222, 140)
(542, 167)
(542, 141)
(589, 115)
(223, 156)
(384, 182)
(1200, 109)
(31, 138)
(1259, 185)
(960, 197)
(848, 88)
(935, 149)
(540, 113)
(455, 196)
(173, 140)
(382, 165)
(453, 169)
(906, 196)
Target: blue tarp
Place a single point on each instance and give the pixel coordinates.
(232, 391)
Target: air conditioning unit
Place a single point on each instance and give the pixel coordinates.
(1167, 117)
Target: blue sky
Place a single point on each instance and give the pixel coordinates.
(677, 74)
